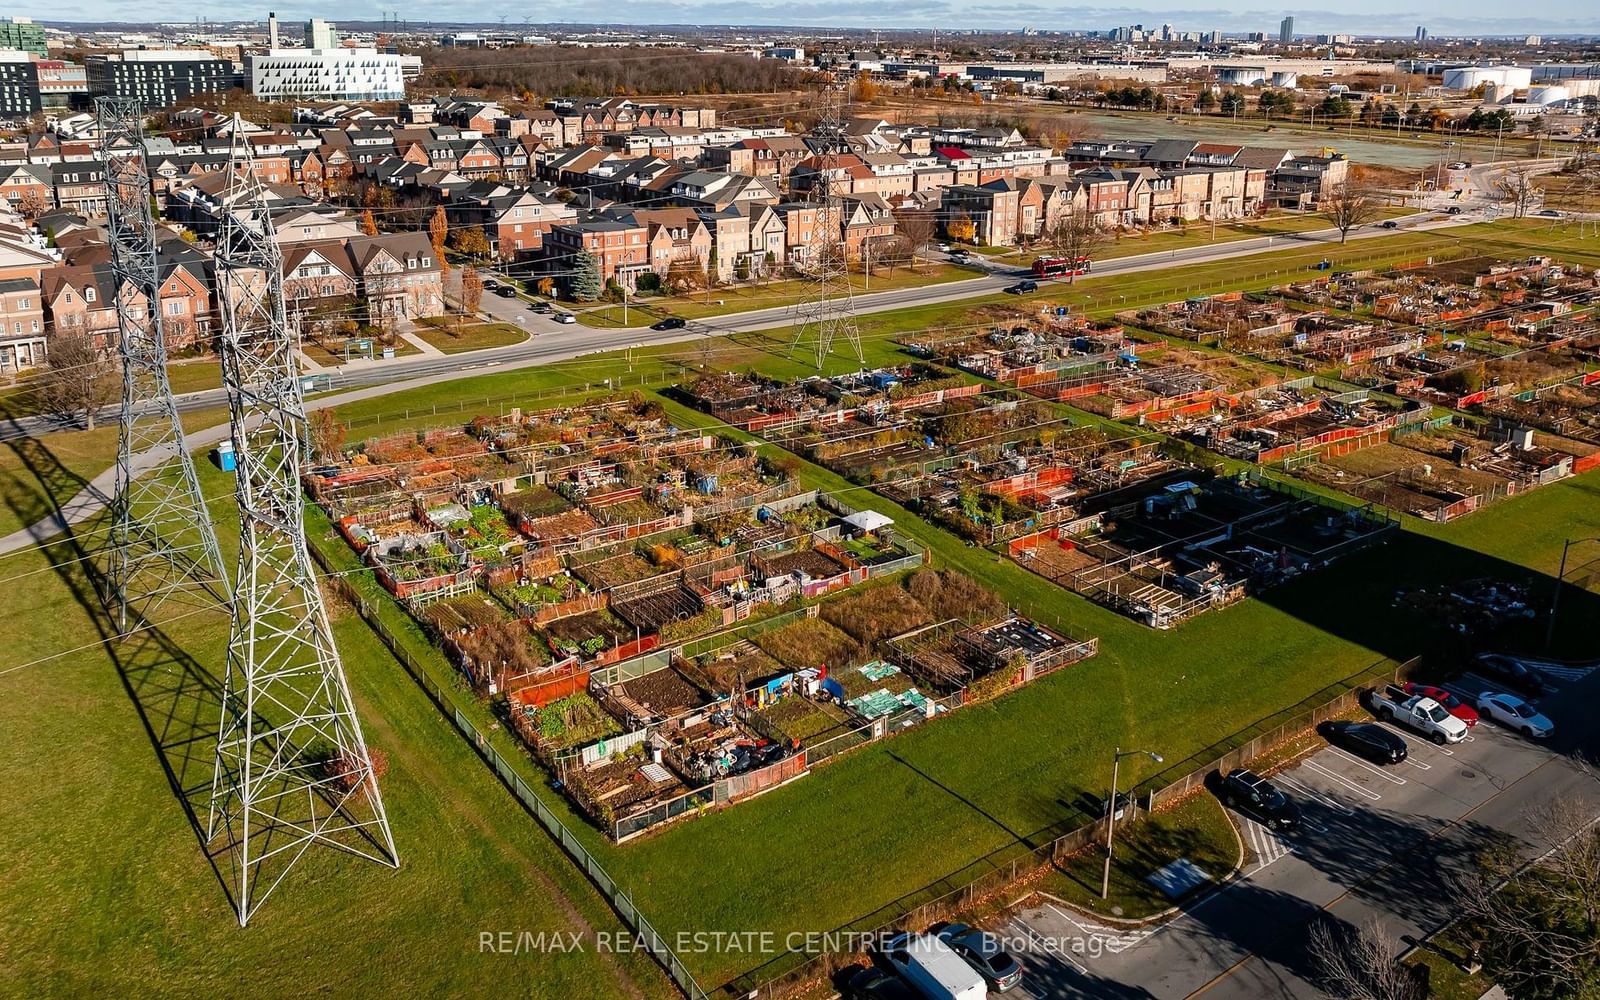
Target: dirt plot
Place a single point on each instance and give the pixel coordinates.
(664, 692)
(809, 642)
(649, 612)
(738, 667)
(629, 567)
(535, 502)
(809, 561)
(877, 614)
(592, 625)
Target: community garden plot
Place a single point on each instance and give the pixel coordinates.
(1188, 546)
(1030, 352)
(1445, 470)
(1296, 419)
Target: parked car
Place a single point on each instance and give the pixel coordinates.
(1513, 712)
(1417, 712)
(942, 247)
(1455, 706)
(565, 317)
(933, 967)
(670, 323)
(876, 984)
(1391, 224)
(1366, 740)
(506, 292)
(1510, 672)
(983, 952)
(1250, 793)
(1025, 285)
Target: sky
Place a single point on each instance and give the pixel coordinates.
(1459, 17)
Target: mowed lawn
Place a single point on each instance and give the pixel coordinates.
(105, 889)
(911, 816)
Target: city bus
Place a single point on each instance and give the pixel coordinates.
(1060, 267)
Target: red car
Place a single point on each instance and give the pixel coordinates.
(1449, 702)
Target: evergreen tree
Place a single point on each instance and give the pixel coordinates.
(584, 284)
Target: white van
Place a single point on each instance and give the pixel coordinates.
(935, 970)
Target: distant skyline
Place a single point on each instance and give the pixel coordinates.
(1467, 17)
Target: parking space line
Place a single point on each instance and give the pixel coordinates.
(1319, 796)
(1341, 779)
(1047, 948)
(1380, 772)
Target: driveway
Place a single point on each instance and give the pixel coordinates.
(1378, 842)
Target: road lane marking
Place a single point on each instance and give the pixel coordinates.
(1047, 949)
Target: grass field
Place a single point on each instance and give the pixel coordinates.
(451, 339)
(104, 886)
(904, 819)
(778, 293)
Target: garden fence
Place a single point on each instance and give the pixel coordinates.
(617, 896)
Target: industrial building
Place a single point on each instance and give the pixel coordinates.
(1468, 77)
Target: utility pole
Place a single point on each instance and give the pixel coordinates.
(292, 766)
(1111, 809)
(1555, 599)
(162, 539)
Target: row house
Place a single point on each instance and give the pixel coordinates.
(749, 239)
(27, 187)
(22, 337)
(717, 189)
(867, 221)
(841, 173)
(79, 187)
(618, 247)
(808, 226)
(373, 279)
(772, 157)
(515, 220)
(675, 237)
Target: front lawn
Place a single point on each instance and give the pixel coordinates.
(450, 337)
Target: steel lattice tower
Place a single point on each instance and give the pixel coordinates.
(827, 311)
(292, 768)
(162, 538)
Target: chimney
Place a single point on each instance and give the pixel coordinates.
(272, 29)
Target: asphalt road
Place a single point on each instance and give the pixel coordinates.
(1379, 842)
(550, 341)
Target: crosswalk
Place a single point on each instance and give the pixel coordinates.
(1266, 846)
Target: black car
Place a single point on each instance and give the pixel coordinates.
(670, 323)
(1026, 285)
(876, 984)
(490, 285)
(1453, 210)
(1367, 740)
(1248, 792)
(541, 307)
(983, 953)
(1510, 673)
(506, 292)
(1391, 224)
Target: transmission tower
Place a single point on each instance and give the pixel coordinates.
(826, 311)
(162, 539)
(292, 767)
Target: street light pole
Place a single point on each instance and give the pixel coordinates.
(1555, 599)
(1111, 810)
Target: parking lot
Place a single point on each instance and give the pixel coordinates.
(1377, 841)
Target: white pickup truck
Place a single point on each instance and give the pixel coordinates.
(1419, 713)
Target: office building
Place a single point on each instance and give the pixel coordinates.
(331, 75)
(1421, 35)
(62, 84)
(1286, 30)
(159, 77)
(320, 34)
(19, 84)
(22, 33)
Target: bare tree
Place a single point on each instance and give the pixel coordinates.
(1515, 189)
(915, 227)
(1075, 235)
(1348, 206)
(1358, 963)
(78, 380)
(1538, 923)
